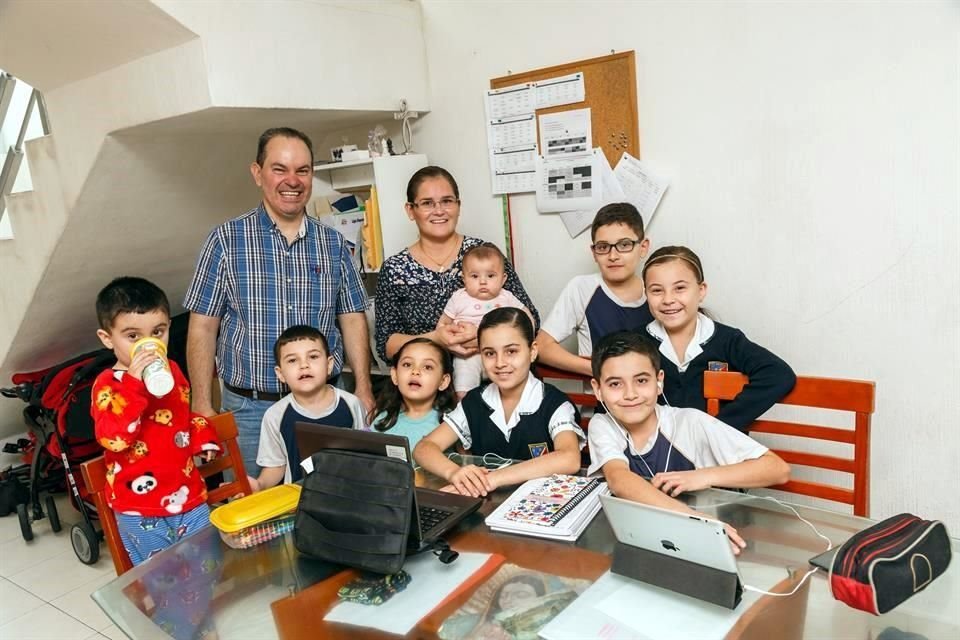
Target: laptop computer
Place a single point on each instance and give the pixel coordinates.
(678, 535)
(434, 512)
(825, 560)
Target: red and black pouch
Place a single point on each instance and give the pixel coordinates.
(881, 567)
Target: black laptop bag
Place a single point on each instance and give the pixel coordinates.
(355, 510)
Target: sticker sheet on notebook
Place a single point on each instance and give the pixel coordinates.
(543, 505)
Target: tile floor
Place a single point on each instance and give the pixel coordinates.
(44, 589)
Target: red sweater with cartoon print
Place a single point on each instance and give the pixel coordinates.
(150, 443)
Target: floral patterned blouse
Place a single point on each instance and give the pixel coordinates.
(411, 297)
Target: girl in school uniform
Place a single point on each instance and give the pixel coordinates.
(420, 391)
(691, 343)
(516, 416)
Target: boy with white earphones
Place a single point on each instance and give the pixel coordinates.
(651, 453)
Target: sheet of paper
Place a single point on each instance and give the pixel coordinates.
(576, 222)
(641, 187)
(431, 582)
(349, 223)
(569, 183)
(515, 100)
(582, 620)
(512, 131)
(512, 138)
(566, 133)
(307, 465)
(563, 90)
(616, 607)
(513, 169)
(681, 616)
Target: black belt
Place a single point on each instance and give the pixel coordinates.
(254, 395)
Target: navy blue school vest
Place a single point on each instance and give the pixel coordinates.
(529, 439)
(604, 316)
(339, 417)
(656, 459)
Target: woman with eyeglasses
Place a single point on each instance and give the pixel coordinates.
(415, 284)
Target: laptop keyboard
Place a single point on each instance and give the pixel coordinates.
(431, 517)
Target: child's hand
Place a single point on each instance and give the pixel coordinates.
(208, 456)
(736, 542)
(673, 483)
(140, 362)
(471, 480)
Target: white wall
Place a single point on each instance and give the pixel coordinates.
(813, 150)
(353, 55)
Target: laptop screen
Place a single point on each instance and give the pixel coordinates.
(315, 437)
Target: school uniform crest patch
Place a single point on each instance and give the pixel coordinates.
(537, 449)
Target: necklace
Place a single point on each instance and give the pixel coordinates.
(441, 264)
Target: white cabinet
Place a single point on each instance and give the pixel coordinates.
(390, 175)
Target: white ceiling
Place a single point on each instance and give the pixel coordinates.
(50, 44)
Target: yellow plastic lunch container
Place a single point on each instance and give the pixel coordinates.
(257, 518)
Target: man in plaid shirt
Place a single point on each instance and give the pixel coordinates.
(269, 269)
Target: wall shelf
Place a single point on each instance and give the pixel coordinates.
(332, 166)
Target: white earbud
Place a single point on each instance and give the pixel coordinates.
(660, 386)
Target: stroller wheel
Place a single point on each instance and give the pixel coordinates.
(25, 529)
(85, 543)
(51, 505)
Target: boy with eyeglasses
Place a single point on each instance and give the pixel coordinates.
(597, 304)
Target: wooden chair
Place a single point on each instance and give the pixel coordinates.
(95, 477)
(827, 393)
(581, 399)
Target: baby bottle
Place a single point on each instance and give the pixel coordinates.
(157, 375)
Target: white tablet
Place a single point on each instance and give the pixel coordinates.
(679, 535)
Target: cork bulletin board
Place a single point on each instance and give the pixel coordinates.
(611, 94)
(610, 84)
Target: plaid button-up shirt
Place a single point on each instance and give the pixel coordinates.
(258, 285)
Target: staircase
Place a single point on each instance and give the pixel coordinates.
(155, 109)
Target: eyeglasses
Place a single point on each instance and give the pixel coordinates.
(623, 245)
(432, 205)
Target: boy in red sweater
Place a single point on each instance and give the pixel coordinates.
(154, 486)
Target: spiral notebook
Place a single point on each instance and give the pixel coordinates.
(558, 507)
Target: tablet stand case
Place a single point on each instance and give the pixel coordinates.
(682, 576)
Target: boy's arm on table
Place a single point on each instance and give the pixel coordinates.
(564, 459)
(626, 484)
(768, 469)
(551, 352)
(271, 452)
